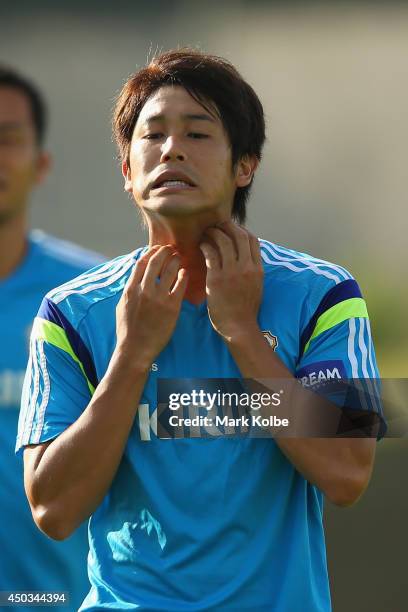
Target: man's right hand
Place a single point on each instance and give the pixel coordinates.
(147, 312)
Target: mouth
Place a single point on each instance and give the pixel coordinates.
(173, 182)
(173, 186)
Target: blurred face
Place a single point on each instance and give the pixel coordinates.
(180, 159)
(22, 165)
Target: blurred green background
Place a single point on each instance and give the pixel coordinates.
(333, 81)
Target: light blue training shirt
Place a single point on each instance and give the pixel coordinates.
(200, 524)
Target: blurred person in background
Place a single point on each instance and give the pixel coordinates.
(191, 524)
(31, 263)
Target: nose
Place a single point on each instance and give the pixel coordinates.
(172, 150)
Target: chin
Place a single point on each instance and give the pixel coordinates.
(177, 209)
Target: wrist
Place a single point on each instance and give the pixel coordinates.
(125, 361)
(241, 335)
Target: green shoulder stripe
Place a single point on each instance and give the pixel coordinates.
(348, 309)
(55, 335)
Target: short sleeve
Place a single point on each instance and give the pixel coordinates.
(57, 386)
(336, 345)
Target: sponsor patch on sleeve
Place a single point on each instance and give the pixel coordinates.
(320, 372)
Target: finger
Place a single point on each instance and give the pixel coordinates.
(155, 265)
(140, 265)
(180, 285)
(255, 249)
(240, 237)
(211, 256)
(226, 247)
(169, 273)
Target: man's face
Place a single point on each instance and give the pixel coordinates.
(180, 158)
(22, 165)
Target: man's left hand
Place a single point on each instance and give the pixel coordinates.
(234, 279)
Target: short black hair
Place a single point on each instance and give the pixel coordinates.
(9, 77)
(207, 78)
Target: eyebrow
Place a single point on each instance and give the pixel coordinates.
(188, 116)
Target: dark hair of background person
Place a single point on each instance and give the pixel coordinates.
(211, 81)
(13, 79)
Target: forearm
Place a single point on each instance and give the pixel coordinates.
(76, 469)
(66, 479)
(341, 468)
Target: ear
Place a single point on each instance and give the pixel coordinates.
(127, 176)
(245, 170)
(43, 165)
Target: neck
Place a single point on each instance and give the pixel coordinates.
(186, 236)
(13, 244)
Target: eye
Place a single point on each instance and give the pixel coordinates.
(197, 135)
(153, 136)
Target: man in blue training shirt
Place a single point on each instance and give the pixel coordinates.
(183, 524)
(30, 264)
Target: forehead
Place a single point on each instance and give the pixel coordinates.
(173, 101)
(14, 106)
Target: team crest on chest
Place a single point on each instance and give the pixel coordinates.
(271, 338)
